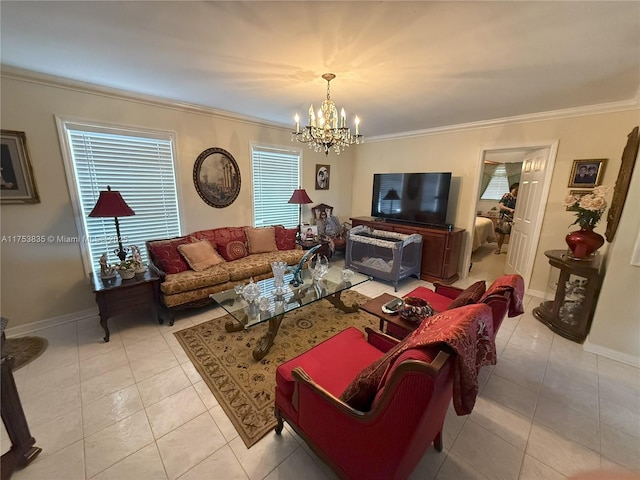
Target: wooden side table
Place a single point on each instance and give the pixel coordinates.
(400, 327)
(116, 296)
(571, 311)
(309, 244)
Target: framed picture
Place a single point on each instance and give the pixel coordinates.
(587, 173)
(217, 177)
(629, 155)
(309, 232)
(322, 177)
(17, 184)
(578, 194)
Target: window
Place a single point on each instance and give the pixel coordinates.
(137, 164)
(276, 174)
(498, 184)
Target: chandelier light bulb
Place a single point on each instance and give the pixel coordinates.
(327, 131)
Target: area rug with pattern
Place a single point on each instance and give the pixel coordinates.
(244, 387)
(24, 350)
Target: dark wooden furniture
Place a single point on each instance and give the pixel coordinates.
(23, 450)
(374, 307)
(441, 248)
(117, 296)
(309, 244)
(571, 312)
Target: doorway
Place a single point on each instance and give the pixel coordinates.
(536, 171)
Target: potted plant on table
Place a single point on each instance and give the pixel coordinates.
(589, 209)
(127, 268)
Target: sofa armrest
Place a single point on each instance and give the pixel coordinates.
(447, 290)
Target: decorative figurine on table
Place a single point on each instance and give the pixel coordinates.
(137, 259)
(296, 281)
(106, 271)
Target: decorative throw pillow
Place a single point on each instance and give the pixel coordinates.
(232, 250)
(285, 237)
(200, 255)
(231, 242)
(362, 390)
(166, 255)
(471, 295)
(261, 240)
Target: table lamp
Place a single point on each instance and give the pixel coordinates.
(391, 195)
(300, 197)
(111, 204)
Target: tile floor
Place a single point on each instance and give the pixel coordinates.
(135, 408)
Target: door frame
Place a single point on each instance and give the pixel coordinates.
(552, 145)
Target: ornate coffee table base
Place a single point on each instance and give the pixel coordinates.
(265, 343)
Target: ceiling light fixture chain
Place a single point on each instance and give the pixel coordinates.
(327, 131)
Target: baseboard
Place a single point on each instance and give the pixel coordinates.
(535, 293)
(612, 354)
(21, 330)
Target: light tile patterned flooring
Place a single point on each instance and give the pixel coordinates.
(135, 408)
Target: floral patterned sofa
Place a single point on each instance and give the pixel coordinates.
(194, 266)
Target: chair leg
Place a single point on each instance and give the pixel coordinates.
(278, 428)
(437, 442)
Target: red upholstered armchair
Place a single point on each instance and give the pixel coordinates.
(407, 414)
(504, 296)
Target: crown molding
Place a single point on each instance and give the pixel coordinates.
(109, 92)
(532, 117)
(74, 85)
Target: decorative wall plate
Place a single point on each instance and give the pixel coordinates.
(217, 177)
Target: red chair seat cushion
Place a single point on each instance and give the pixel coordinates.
(440, 303)
(333, 364)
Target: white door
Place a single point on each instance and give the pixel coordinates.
(527, 214)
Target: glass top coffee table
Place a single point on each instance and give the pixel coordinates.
(270, 307)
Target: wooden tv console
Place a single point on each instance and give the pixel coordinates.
(440, 247)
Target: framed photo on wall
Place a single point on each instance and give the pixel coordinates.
(587, 173)
(17, 184)
(322, 177)
(216, 177)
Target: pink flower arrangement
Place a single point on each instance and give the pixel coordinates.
(589, 208)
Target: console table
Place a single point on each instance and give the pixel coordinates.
(571, 311)
(440, 247)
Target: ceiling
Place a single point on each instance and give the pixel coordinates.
(401, 66)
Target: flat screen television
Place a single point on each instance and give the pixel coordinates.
(411, 197)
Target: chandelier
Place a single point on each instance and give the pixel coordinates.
(326, 131)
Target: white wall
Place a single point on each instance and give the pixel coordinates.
(615, 331)
(40, 282)
(588, 136)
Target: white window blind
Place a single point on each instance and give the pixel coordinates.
(138, 165)
(276, 174)
(498, 185)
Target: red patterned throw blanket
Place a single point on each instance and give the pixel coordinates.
(513, 284)
(469, 332)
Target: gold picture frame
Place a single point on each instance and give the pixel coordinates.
(587, 173)
(629, 155)
(17, 184)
